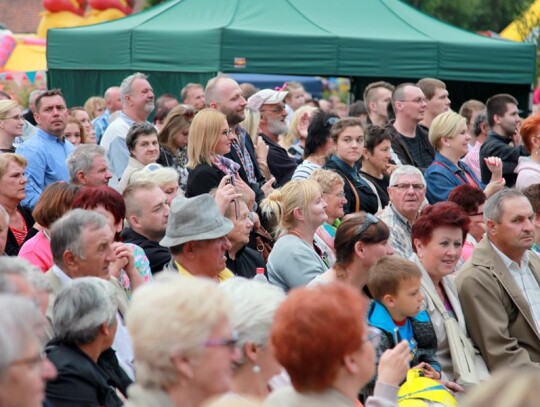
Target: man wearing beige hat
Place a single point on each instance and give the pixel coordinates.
(273, 124)
(197, 238)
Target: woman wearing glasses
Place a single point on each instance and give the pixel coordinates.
(210, 139)
(348, 136)
(253, 307)
(143, 146)
(11, 125)
(448, 135)
(438, 236)
(361, 240)
(183, 342)
(295, 259)
(330, 359)
(173, 141)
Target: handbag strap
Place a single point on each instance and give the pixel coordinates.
(436, 301)
(357, 198)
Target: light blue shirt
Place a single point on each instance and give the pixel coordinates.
(46, 156)
(100, 124)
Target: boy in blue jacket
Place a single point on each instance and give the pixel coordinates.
(395, 283)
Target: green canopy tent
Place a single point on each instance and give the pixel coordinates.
(184, 41)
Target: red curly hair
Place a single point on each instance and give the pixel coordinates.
(469, 198)
(530, 129)
(314, 328)
(442, 214)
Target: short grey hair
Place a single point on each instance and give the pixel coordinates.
(253, 307)
(126, 86)
(17, 266)
(160, 175)
(20, 321)
(80, 309)
(66, 233)
(405, 170)
(480, 118)
(82, 159)
(493, 209)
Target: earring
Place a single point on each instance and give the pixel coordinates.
(256, 369)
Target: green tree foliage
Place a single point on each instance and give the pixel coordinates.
(474, 15)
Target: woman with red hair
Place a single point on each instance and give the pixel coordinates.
(528, 168)
(321, 339)
(438, 236)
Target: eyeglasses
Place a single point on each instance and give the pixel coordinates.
(416, 100)
(374, 336)
(228, 342)
(370, 220)
(32, 362)
(339, 194)
(277, 109)
(406, 186)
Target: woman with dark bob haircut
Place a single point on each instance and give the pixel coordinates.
(376, 165)
(109, 203)
(438, 236)
(320, 337)
(361, 240)
(472, 201)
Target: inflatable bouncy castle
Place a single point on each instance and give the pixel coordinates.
(72, 13)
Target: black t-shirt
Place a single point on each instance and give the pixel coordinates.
(419, 151)
(381, 185)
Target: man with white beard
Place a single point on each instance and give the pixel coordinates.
(137, 103)
(273, 123)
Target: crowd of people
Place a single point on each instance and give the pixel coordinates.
(258, 247)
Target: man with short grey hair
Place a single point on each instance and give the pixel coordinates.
(499, 286)
(82, 246)
(197, 238)
(137, 103)
(88, 166)
(407, 192)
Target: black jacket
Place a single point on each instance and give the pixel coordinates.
(158, 256)
(246, 262)
(202, 179)
(498, 146)
(400, 148)
(12, 247)
(80, 381)
(369, 201)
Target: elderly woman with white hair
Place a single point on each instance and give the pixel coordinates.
(165, 177)
(84, 320)
(23, 368)
(184, 345)
(253, 306)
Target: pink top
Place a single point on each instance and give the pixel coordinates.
(37, 251)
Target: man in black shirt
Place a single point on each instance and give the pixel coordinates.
(410, 142)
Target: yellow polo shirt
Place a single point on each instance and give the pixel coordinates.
(223, 275)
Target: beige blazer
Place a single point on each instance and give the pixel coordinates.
(498, 317)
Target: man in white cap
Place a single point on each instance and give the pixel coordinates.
(273, 124)
(197, 238)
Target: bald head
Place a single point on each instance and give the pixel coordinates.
(113, 99)
(224, 94)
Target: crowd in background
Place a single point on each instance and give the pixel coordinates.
(259, 247)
